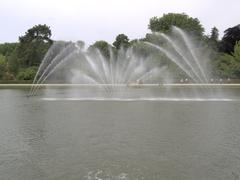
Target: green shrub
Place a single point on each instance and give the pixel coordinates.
(27, 74)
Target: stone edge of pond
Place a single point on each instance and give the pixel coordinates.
(121, 85)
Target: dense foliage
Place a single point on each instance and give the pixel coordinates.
(231, 36)
(183, 21)
(20, 60)
(7, 48)
(228, 65)
(3, 66)
(103, 47)
(27, 73)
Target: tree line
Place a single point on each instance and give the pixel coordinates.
(20, 60)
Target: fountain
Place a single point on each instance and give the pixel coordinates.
(159, 62)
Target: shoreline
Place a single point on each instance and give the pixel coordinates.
(127, 85)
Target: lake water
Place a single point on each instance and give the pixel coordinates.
(44, 139)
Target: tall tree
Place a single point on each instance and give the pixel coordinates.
(213, 40)
(183, 21)
(121, 41)
(231, 36)
(33, 45)
(214, 34)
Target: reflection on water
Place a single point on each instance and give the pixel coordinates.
(118, 139)
(147, 92)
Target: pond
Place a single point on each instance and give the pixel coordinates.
(63, 139)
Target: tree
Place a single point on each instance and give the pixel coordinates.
(81, 44)
(7, 48)
(231, 36)
(13, 64)
(103, 47)
(134, 41)
(183, 21)
(228, 65)
(3, 66)
(213, 40)
(33, 45)
(121, 41)
(214, 34)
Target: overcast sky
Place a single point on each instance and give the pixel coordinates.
(91, 20)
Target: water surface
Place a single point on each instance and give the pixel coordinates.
(169, 140)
